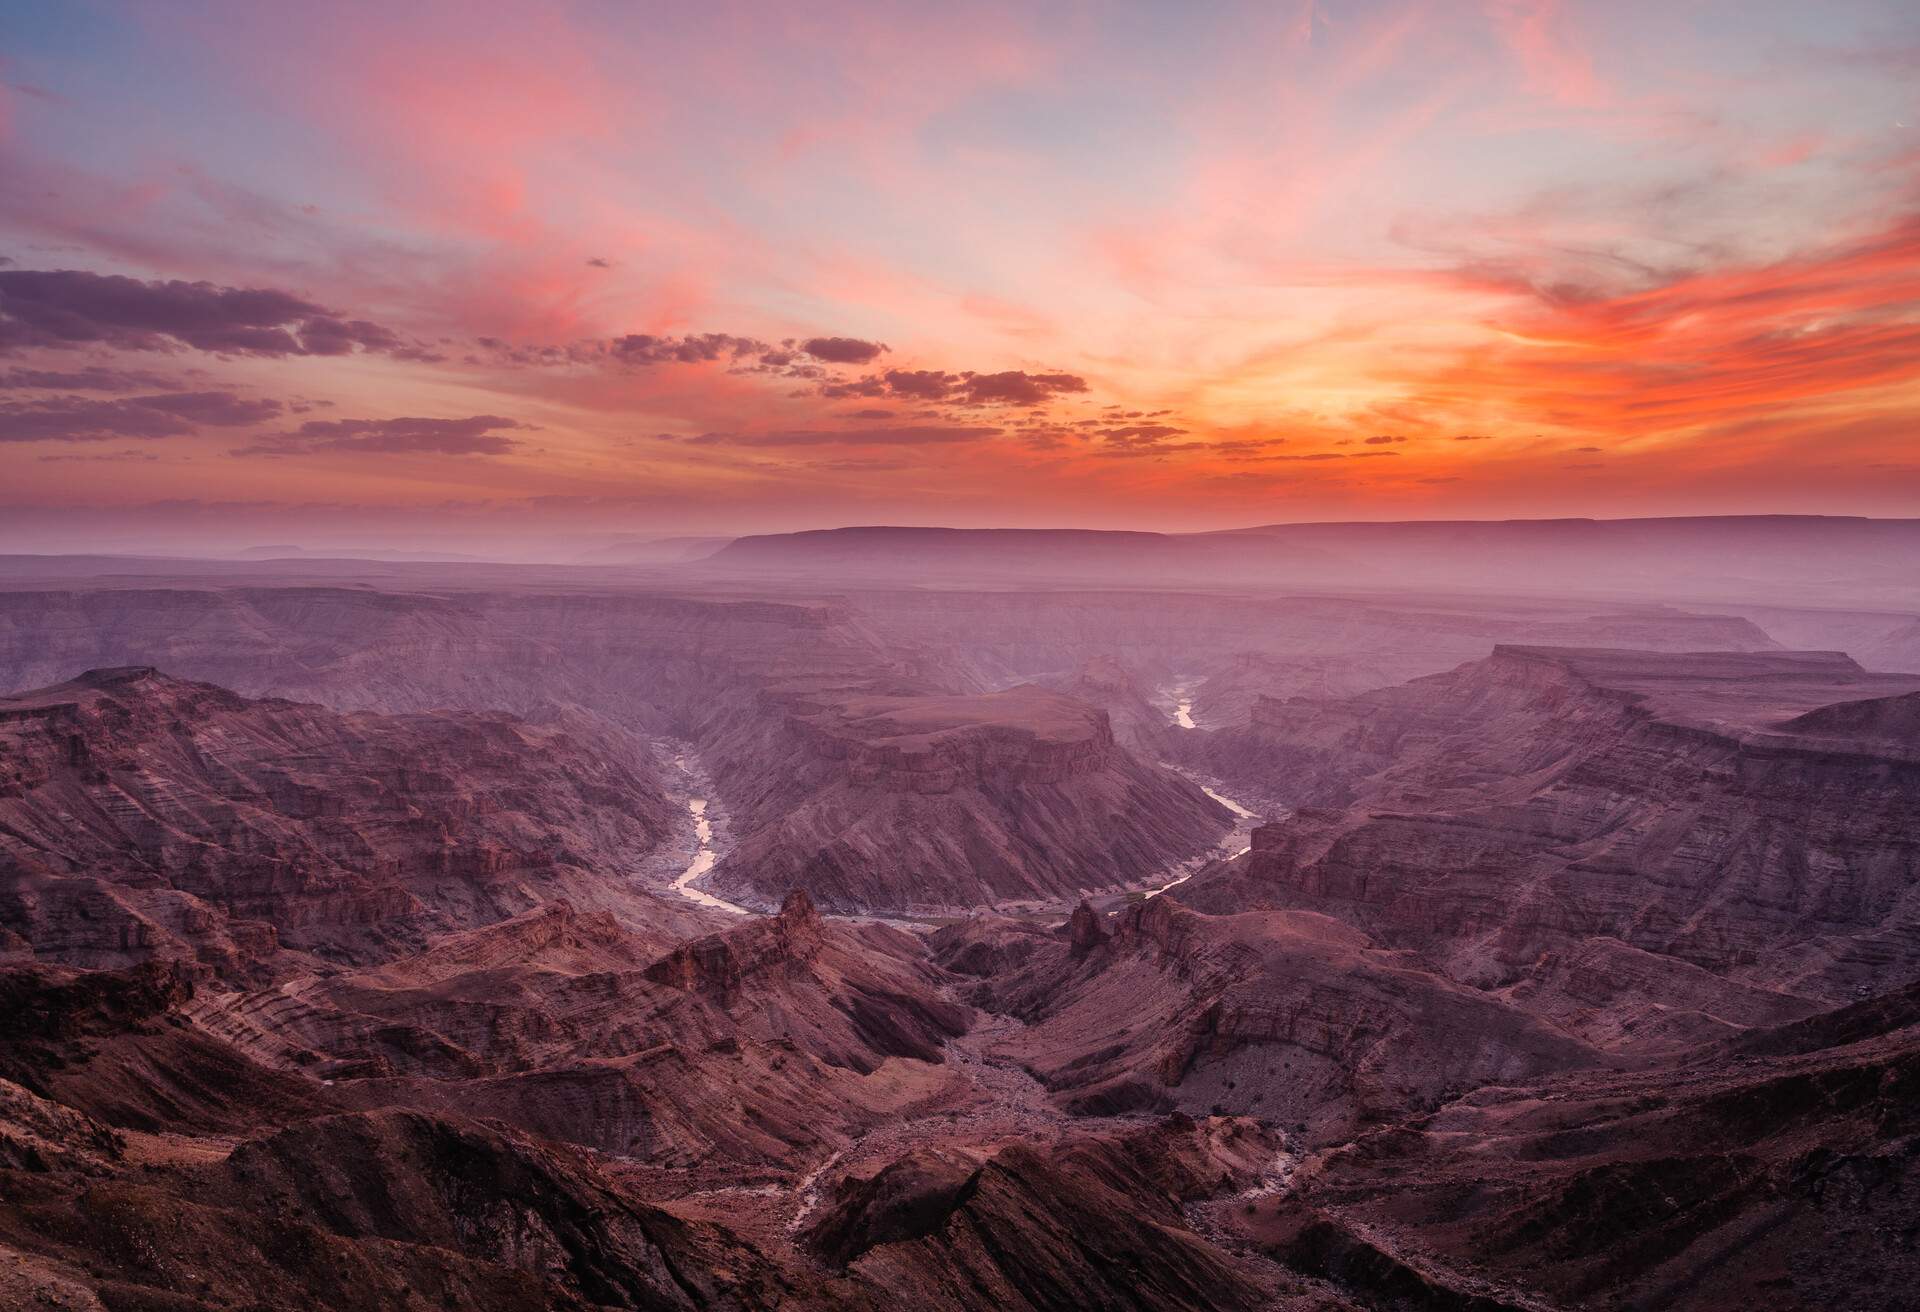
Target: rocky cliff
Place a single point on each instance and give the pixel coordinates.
(142, 815)
(1778, 1171)
(930, 803)
(1651, 848)
(777, 1037)
(1290, 1016)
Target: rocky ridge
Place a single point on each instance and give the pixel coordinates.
(143, 815)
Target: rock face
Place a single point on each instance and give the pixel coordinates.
(931, 803)
(301, 1203)
(775, 1038)
(722, 964)
(1124, 694)
(145, 816)
(1779, 1171)
(1652, 849)
(314, 1206)
(936, 745)
(544, 1219)
(1232, 645)
(871, 769)
(1890, 723)
(1285, 1015)
(648, 661)
(1093, 1223)
(112, 1046)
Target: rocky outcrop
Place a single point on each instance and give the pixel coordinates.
(1090, 1223)
(1288, 1016)
(936, 745)
(929, 804)
(492, 1197)
(364, 1212)
(115, 1046)
(780, 1036)
(1084, 930)
(1889, 723)
(723, 963)
(1126, 695)
(145, 816)
(1734, 853)
(985, 945)
(1778, 1170)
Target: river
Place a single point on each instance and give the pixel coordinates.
(1183, 706)
(1237, 843)
(702, 862)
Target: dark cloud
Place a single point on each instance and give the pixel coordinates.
(325, 335)
(68, 307)
(1474, 437)
(1011, 387)
(634, 350)
(93, 378)
(701, 348)
(1327, 455)
(1017, 387)
(644, 350)
(1384, 439)
(897, 435)
(1145, 440)
(478, 435)
(597, 263)
(218, 409)
(1150, 449)
(919, 384)
(90, 419)
(871, 414)
(1249, 448)
(110, 457)
(842, 350)
(1143, 432)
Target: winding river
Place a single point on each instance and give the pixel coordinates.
(1183, 708)
(702, 862)
(1236, 844)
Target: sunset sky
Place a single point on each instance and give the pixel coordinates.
(501, 278)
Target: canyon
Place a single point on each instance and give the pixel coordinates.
(760, 928)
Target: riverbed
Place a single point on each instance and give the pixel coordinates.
(702, 862)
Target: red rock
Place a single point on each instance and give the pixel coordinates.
(1695, 822)
(150, 816)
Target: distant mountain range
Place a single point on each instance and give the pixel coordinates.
(1806, 556)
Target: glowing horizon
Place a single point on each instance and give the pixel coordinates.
(464, 274)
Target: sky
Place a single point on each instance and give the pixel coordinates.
(519, 280)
